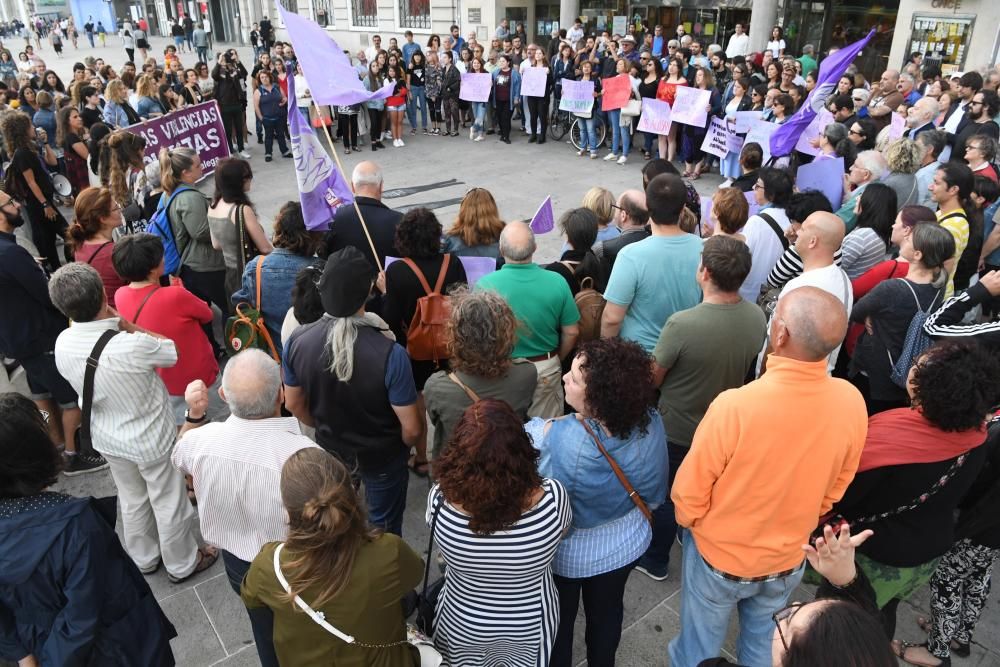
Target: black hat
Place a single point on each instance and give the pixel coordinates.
(346, 282)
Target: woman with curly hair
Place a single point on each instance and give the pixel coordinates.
(118, 113)
(904, 157)
(497, 523)
(610, 388)
(69, 137)
(26, 100)
(124, 174)
(351, 575)
(28, 180)
(422, 268)
(476, 231)
(916, 466)
(482, 331)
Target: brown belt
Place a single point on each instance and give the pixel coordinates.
(542, 357)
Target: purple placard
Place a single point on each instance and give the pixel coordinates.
(475, 267)
(198, 127)
(827, 176)
(691, 106)
(475, 87)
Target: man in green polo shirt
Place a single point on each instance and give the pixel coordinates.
(546, 313)
(808, 59)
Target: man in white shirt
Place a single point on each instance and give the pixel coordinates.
(765, 232)
(820, 237)
(131, 423)
(372, 51)
(575, 34)
(236, 469)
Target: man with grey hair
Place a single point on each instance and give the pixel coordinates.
(381, 221)
(808, 59)
(131, 421)
(544, 307)
(920, 117)
(932, 143)
(868, 167)
(236, 468)
(907, 88)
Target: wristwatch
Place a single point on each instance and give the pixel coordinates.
(191, 420)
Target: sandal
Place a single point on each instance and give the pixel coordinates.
(206, 559)
(958, 648)
(419, 468)
(900, 648)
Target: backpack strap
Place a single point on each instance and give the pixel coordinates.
(420, 274)
(776, 228)
(439, 285)
(99, 249)
(142, 305)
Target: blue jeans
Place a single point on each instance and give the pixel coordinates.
(385, 493)
(479, 113)
(202, 53)
(708, 601)
(261, 619)
(417, 95)
(620, 136)
(664, 523)
(588, 133)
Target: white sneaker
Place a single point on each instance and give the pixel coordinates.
(610, 156)
(388, 135)
(479, 138)
(245, 155)
(593, 156)
(472, 133)
(401, 144)
(726, 183)
(395, 143)
(582, 152)
(622, 160)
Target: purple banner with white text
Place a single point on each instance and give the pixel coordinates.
(198, 127)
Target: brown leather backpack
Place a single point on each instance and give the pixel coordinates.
(426, 337)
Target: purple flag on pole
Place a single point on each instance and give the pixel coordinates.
(322, 189)
(830, 70)
(544, 220)
(332, 78)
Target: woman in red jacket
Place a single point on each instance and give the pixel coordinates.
(395, 104)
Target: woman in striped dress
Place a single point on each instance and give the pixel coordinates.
(498, 526)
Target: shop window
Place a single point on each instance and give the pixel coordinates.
(364, 13)
(415, 14)
(943, 39)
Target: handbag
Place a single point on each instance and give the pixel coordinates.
(82, 435)
(632, 108)
(632, 493)
(248, 249)
(246, 328)
(429, 656)
(427, 600)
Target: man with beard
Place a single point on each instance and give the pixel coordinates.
(978, 120)
(30, 338)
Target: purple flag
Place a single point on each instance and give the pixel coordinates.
(322, 189)
(830, 70)
(332, 78)
(544, 220)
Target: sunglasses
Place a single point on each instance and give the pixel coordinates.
(856, 133)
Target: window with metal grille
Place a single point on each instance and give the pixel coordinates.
(364, 13)
(415, 14)
(324, 14)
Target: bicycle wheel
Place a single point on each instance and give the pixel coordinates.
(559, 125)
(602, 133)
(574, 134)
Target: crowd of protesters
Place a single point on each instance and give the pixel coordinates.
(804, 391)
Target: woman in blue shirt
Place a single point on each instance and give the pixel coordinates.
(610, 386)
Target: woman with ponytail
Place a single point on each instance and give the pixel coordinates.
(833, 142)
(97, 148)
(886, 312)
(122, 174)
(350, 574)
(90, 235)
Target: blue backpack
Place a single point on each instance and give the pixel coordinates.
(159, 225)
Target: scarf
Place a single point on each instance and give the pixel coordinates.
(904, 436)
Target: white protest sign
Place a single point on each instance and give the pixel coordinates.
(655, 116)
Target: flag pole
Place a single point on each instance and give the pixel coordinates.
(357, 209)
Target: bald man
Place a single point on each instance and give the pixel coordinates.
(346, 229)
(545, 310)
(632, 219)
(820, 236)
(766, 461)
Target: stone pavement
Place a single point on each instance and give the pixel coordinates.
(212, 625)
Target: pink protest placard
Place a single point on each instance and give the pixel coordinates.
(812, 131)
(617, 90)
(655, 117)
(577, 96)
(897, 126)
(475, 87)
(533, 81)
(716, 139)
(691, 106)
(744, 119)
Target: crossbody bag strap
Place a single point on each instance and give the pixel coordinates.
(88, 383)
(468, 392)
(632, 493)
(99, 249)
(260, 312)
(941, 482)
(430, 542)
(776, 228)
(135, 319)
(420, 274)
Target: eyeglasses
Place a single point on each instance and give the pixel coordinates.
(758, 186)
(856, 133)
(978, 104)
(789, 611)
(973, 147)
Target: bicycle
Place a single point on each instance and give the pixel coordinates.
(559, 123)
(600, 129)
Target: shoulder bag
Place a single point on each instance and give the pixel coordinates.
(246, 328)
(768, 299)
(468, 392)
(429, 656)
(135, 318)
(632, 493)
(248, 249)
(99, 249)
(82, 435)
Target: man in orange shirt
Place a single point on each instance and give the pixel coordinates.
(766, 462)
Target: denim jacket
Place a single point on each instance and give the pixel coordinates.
(277, 280)
(569, 455)
(515, 85)
(46, 119)
(114, 115)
